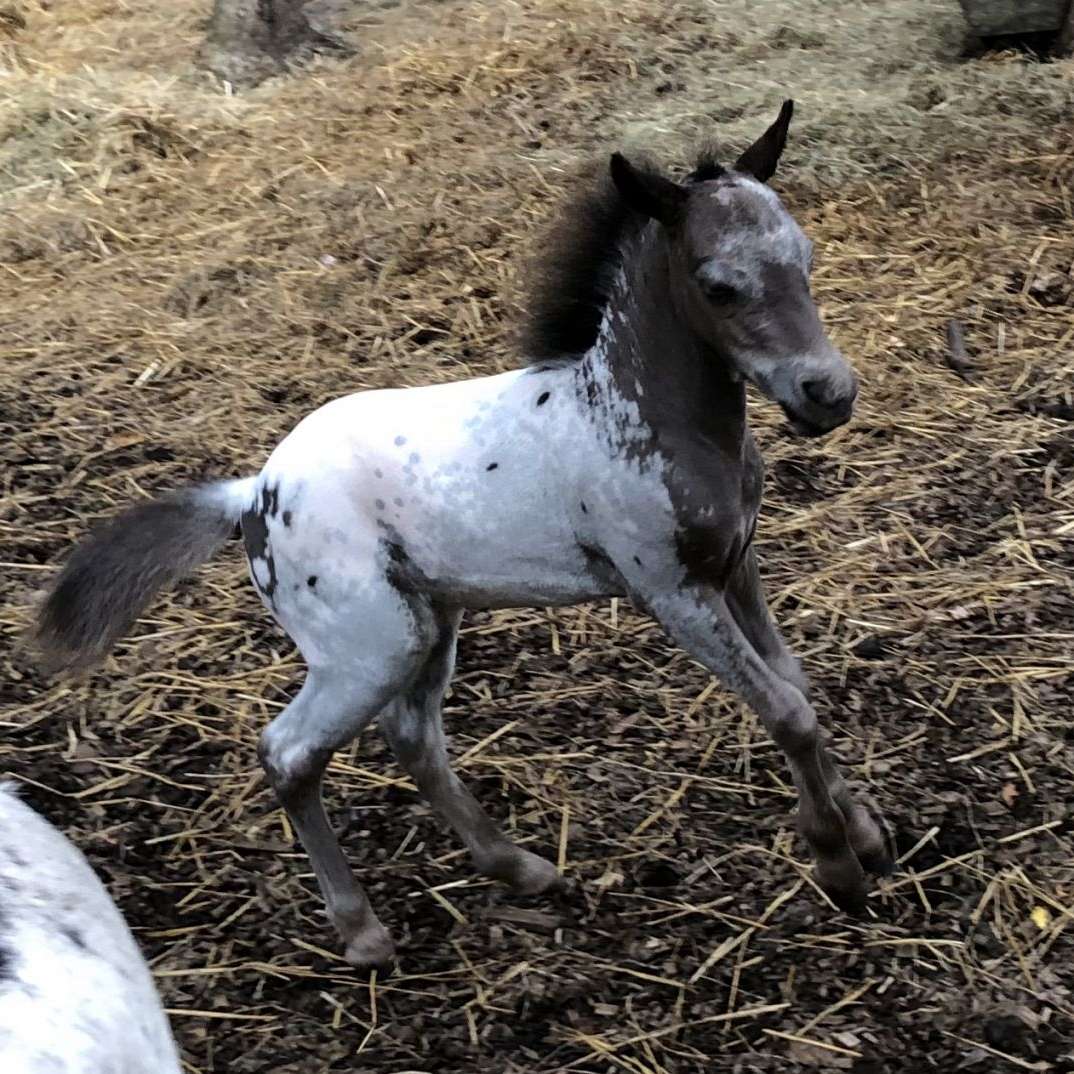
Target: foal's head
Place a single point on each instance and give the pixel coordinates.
(740, 270)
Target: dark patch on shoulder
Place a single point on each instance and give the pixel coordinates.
(706, 558)
(716, 520)
(287, 518)
(585, 510)
(543, 398)
(491, 466)
(311, 581)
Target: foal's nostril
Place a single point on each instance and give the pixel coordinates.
(813, 390)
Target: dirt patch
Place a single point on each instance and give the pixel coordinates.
(187, 274)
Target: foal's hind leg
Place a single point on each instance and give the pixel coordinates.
(295, 749)
(413, 727)
(745, 599)
(360, 656)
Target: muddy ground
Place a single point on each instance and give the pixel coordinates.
(186, 273)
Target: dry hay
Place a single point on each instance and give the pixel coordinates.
(186, 274)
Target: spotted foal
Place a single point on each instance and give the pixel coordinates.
(619, 462)
(76, 996)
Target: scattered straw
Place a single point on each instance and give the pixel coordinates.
(187, 272)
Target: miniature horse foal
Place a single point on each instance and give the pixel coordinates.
(620, 463)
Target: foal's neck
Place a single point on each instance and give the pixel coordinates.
(651, 357)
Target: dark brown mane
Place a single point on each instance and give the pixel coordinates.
(573, 272)
(572, 276)
(706, 165)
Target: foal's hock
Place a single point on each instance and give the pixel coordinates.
(619, 463)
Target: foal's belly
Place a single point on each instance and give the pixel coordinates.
(533, 585)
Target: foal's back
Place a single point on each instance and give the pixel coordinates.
(76, 996)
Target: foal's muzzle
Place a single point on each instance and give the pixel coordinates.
(822, 405)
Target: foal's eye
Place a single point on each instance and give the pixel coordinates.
(721, 293)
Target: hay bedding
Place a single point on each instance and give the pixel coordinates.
(186, 274)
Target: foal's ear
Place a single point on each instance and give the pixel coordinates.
(646, 192)
(761, 158)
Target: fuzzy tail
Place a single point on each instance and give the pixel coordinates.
(113, 575)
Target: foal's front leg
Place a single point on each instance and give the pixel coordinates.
(701, 621)
(746, 602)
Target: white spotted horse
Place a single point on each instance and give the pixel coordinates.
(76, 996)
(619, 461)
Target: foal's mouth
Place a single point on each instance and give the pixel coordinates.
(808, 427)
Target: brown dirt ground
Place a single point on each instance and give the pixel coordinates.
(187, 273)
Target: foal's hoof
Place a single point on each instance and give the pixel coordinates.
(523, 872)
(849, 900)
(370, 949)
(877, 862)
(534, 876)
(846, 889)
(870, 837)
